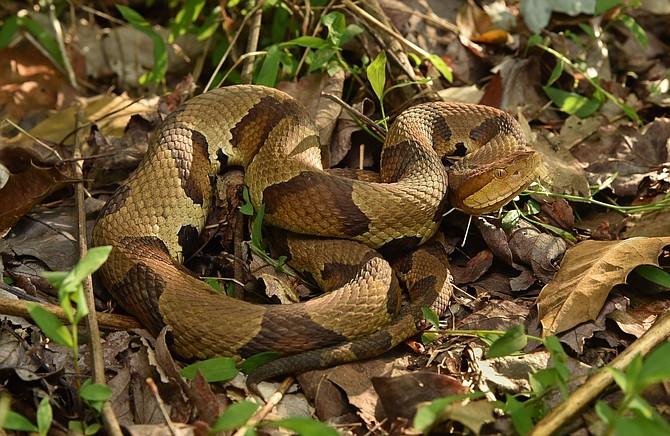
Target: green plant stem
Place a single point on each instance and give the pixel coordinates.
(658, 205)
(478, 333)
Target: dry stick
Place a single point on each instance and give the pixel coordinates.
(267, 408)
(252, 42)
(658, 333)
(106, 321)
(58, 30)
(229, 49)
(108, 416)
(161, 406)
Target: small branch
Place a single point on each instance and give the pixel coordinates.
(106, 321)
(252, 42)
(108, 416)
(657, 333)
(61, 45)
(269, 405)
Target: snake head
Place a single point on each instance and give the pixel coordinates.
(479, 188)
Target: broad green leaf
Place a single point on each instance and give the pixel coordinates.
(157, 74)
(304, 426)
(270, 67)
(441, 66)
(349, 32)
(430, 316)
(306, 41)
(8, 30)
(521, 414)
(44, 416)
(377, 74)
(605, 412)
(43, 37)
(87, 265)
(605, 5)
(428, 415)
(214, 370)
(655, 367)
(572, 103)
(186, 16)
(235, 416)
(207, 29)
(18, 422)
(50, 325)
(254, 362)
(95, 392)
(335, 23)
(654, 274)
(512, 341)
(320, 58)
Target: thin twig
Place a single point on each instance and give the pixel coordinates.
(161, 405)
(58, 30)
(106, 321)
(356, 113)
(109, 418)
(274, 399)
(229, 49)
(252, 42)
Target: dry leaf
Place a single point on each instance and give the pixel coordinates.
(588, 272)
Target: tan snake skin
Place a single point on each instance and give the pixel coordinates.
(162, 208)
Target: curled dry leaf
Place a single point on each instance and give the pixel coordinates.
(588, 272)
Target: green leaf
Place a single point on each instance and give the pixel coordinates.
(157, 74)
(95, 392)
(304, 426)
(44, 416)
(428, 415)
(572, 103)
(235, 416)
(306, 41)
(18, 422)
(335, 23)
(430, 316)
(257, 228)
(92, 429)
(377, 74)
(270, 67)
(320, 58)
(637, 30)
(349, 32)
(186, 16)
(521, 414)
(43, 37)
(655, 367)
(512, 341)
(556, 72)
(510, 219)
(254, 362)
(441, 66)
(50, 325)
(605, 412)
(214, 370)
(654, 274)
(605, 5)
(8, 30)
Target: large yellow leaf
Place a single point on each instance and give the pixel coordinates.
(588, 272)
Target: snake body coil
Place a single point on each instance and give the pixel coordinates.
(163, 206)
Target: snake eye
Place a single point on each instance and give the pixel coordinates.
(499, 173)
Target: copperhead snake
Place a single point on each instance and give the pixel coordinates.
(163, 206)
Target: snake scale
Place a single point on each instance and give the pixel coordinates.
(336, 226)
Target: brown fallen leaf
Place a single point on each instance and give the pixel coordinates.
(588, 272)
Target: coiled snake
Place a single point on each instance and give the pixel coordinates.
(162, 208)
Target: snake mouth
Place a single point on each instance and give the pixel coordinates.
(486, 188)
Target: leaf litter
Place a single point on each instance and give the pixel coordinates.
(581, 285)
